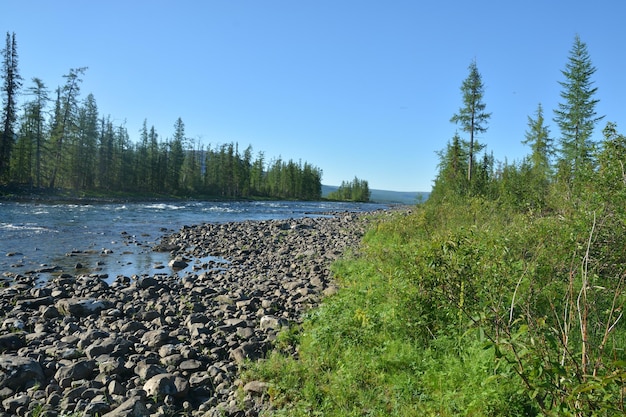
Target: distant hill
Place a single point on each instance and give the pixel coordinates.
(384, 196)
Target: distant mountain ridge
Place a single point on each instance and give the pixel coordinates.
(385, 196)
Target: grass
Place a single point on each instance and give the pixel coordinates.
(450, 311)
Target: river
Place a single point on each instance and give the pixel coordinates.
(117, 238)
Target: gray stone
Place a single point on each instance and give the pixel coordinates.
(97, 407)
(178, 264)
(155, 338)
(109, 365)
(272, 322)
(147, 370)
(13, 403)
(83, 369)
(19, 373)
(247, 351)
(133, 407)
(256, 387)
(191, 365)
(12, 341)
(101, 347)
(82, 307)
(166, 384)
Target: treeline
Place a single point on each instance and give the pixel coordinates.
(63, 142)
(355, 190)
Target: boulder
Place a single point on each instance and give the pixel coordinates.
(133, 407)
(83, 369)
(166, 384)
(82, 307)
(12, 341)
(19, 373)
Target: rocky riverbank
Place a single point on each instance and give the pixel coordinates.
(164, 344)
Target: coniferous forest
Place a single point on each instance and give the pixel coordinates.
(58, 140)
(502, 295)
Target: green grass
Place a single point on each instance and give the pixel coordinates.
(454, 310)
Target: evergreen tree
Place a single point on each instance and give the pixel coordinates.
(142, 164)
(36, 110)
(257, 173)
(356, 190)
(10, 87)
(83, 150)
(64, 121)
(576, 115)
(452, 176)
(105, 154)
(472, 117)
(540, 142)
(176, 155)
(154, 157)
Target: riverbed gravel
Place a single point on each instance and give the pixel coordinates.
(172, 343)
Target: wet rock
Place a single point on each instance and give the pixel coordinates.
(178, 264)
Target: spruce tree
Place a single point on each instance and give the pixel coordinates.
(576, 115)
(472, 117)
(540, 142)
(10, 87)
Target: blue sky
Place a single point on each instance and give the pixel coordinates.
(357, 88)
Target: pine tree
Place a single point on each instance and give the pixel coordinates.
(576, 115)
(11, 85)
(472, 117)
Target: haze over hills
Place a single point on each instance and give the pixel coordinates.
(386, 196)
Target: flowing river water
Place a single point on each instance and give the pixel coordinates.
(111, 239)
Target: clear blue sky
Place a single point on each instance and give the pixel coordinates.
(357, 88)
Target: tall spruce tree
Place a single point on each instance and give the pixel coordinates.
(576, 115)
(472, 117)
(10, 87)
(36, 110)
(65, 117)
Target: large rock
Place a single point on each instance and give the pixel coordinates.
(166, 384)
(133, 407)
(12, 341)
(272, 322)
(83, 369)
(19, 373)
(155, 338)
(82, 307)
